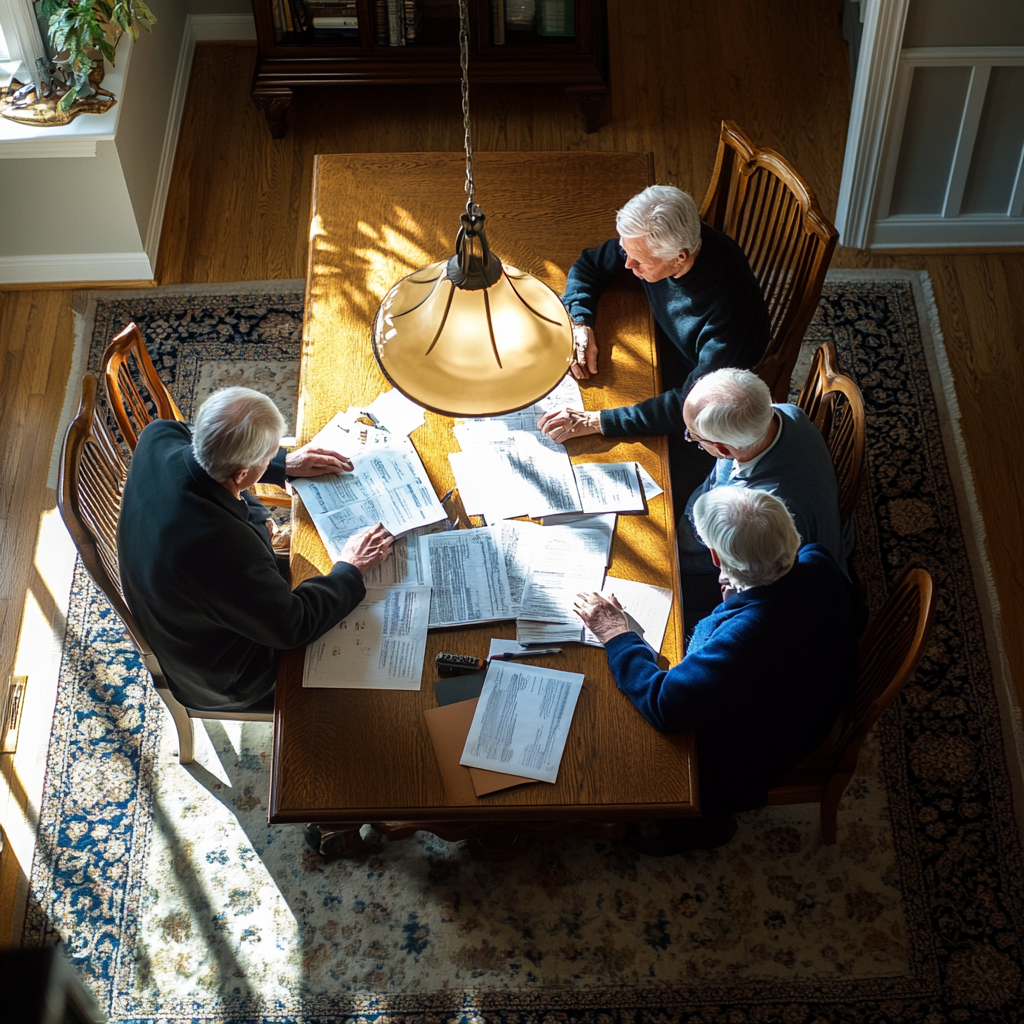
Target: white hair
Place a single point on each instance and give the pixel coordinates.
(752, 532)
(734, 407)
(236, 428)
(663, 215)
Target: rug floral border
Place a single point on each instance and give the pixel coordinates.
(952, 813)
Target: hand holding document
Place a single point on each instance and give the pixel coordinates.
(566, 561)
(522, 720)
(378, 646)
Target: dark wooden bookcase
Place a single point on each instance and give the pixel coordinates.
(286, 60)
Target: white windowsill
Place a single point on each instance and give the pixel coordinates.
(79, 138)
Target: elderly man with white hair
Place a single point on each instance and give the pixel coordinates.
(765, 675)
(197, 564)
(704, 297)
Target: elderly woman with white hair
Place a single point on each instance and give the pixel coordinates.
(197, 564)
(765, 675)
(702, 292)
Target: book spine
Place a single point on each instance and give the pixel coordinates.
(412, 20)
(498, 22)
(380, 8)
(396, 23)
(286, 8)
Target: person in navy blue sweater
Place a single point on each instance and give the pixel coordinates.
(765, 675)
(702, 292)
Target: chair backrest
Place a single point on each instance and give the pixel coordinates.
(134, 388)
(834, 404)
(92, 478)
(758, 199)
(890, 651)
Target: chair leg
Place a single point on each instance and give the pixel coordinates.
(186, 738)
(830, 806)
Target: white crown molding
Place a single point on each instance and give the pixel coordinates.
(198, 28)
(869, 119)
(937, 232)
(89, 266)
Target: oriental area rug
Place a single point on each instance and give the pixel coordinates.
(177, 902)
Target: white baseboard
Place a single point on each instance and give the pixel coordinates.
(93, 266)
(921, 232)
(198, 28)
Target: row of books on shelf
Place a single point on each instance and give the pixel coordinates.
(397, 22)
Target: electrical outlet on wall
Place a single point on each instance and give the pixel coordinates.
(10, 713)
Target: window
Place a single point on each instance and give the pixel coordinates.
(20, 41)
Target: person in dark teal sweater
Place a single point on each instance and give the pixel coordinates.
(197, 566)
(704, 297)
(752, 683)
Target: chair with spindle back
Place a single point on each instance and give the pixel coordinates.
(759, 200)
(134, 388)
(889, 653)
(834, 404)
(92, 478)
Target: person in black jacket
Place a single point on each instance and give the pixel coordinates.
(197, 566)
(706, 302)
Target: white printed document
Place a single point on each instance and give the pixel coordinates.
(522, 720)
(520, 540)
(470, 581)
(609, 487)
(378, 646)
(566, 562)
(386, 485)
(396, 413)
(405, 566)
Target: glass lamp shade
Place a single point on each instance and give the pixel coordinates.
(472, 351)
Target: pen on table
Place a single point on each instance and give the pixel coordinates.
(512, 655)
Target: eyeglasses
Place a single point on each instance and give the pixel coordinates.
(687, 436)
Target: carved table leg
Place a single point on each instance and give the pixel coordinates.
(274, 102)
(589, 99)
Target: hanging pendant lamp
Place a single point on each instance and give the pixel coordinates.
(471, 336)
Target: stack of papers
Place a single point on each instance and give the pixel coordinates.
(646, 606)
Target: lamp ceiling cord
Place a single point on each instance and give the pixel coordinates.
(470, 187)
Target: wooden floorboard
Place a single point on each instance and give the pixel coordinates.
(239, 201)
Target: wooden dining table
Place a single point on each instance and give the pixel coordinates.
(348, 757)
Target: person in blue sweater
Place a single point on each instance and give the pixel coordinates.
(704, 296)
(765, 675)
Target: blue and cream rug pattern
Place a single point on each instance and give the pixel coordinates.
(177, 902)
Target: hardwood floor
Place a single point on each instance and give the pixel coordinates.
(239, 202)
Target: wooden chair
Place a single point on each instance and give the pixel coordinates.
(758, 199)
(890, 650)
(835, 405)
(135, 391)
(91, 483)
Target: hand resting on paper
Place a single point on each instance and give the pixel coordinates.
(603, 616)
(310, 461)
(584, 346)
(367, 548)
(564, 424)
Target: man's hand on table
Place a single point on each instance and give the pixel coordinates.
(367, 548)
(565, 424)
(603, 616)
(310, 461)
(584, 345)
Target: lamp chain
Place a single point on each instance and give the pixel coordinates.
(470, 187)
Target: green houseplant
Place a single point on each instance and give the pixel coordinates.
(86, 31)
